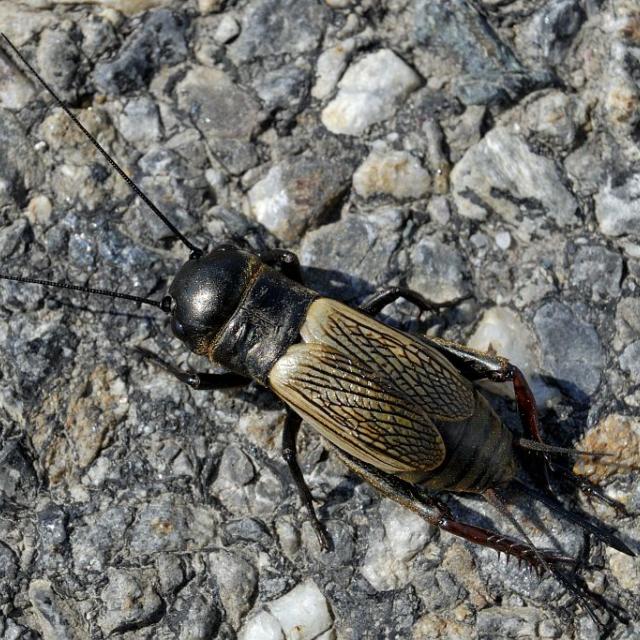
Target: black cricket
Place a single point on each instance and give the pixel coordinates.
(401, 411)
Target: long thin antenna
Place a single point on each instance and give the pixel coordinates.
(164, 304)
(195, 251)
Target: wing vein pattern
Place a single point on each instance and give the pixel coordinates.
(370, 389)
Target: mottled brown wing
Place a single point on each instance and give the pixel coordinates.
(370, 389)
(408, 365)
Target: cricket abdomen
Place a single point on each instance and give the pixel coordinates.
(479, 454)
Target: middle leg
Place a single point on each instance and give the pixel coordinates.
(289, 437)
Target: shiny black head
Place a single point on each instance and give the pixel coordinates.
(205, 293)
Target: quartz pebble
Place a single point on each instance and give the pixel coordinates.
(366, 95)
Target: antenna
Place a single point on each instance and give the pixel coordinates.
(195, 251)
(164, 304)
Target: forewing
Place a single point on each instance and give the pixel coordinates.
(355, 410)
(404, 364)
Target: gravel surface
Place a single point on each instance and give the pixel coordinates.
(488, 148)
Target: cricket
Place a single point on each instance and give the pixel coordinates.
(403, 411)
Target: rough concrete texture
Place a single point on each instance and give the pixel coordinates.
(488, 148)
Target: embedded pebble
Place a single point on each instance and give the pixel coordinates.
(16, 91)
(303, 613)
(439, 210)
(459, 33)
(276, 27)
(396, 173)
(437, 271)
(630, 361)
(550, 31)
(128, 599)
(237, 581)
(159, 41)
(227, 30)
(388, 562)
(571, 348)
(627, 322)
(262, 626)
(330, 66)
(618, 207)
(503, 240)
(366, 95)
(619, 436)
(349, 258)
(139, 122)
(599, 270)
(501, 170)
(226, 114)
(297, 195)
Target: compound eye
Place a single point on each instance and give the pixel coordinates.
(167, 304)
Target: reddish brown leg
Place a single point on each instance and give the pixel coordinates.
(482, 366)
(438, 514)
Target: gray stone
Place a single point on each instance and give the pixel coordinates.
(554, 118)
(159, 41)
(630, 361)
(58, 60)
(195, 614)
(139, 122)
(551, 30)
(599, 270)
(237, 581)
(367, 95)
(618, 207)
(275, 27)
(284, 89)
(502, 175)
(571, 349)
(351, 257)
(54, 618)
(455, 30)
(226, 114)
(627, 322)
(11, 237)
(227, 30)
(20, 166)
(437, 271)
(297, 195)
(129, 601)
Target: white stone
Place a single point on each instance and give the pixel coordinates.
(503, 163)
(387, 564)
(330, 66)
(370, 91)
(396, 173)
(227, 30)
(261, 627)
(303, 613)
(618, 208)
(503, 240)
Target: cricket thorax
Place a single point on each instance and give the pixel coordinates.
(263, 326)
